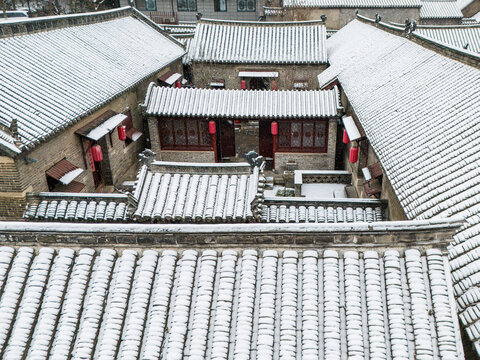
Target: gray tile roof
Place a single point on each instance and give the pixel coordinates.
(241, 104)
(460, 36)
(242, 42)
(432, 102)
(226, 305)
(196, 195)
(351, 3)
(440, 10)
(52, 78)
(78, 207)
(295, 210)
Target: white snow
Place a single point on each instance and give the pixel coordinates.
(70, 176)
(324, 191)
(105, 127)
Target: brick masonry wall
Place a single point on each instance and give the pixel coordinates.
(206, 7)
(246, 138)
(339, 17)
(312, 161)
(421, 239)
(204, 73)
(30, 176)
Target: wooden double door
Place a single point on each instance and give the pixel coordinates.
(226, 139)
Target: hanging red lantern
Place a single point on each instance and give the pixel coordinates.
(346, 140)
(243, 84)
(178, 84)
(122, 132)
(274, 85)
(97, 153)
(211, 127)
(353, 155)
(274, 128)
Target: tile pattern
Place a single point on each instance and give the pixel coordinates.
(440, 10)
(51, 79)
(458, 36)
(226, 305)
(176, 197)
(243, 42)
(241, 104)
(431, 159)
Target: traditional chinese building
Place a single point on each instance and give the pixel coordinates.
(69, 115)
(258, 55)
(209, 125)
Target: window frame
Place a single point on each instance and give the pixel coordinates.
(246, 7)
(186, 147)
(187, 8)
(217, 8)
(301, 148)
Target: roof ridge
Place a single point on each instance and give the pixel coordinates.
(47, 23)
(260, 23)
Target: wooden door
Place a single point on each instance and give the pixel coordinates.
(266, 139)
(226, 138)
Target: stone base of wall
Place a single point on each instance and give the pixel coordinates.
(305, 161)
(186, 156)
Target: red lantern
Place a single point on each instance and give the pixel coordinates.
(274, 85)
(122, 132)
(211, 127)
(353, 155)
(274, 128)
(243, 84)
(178, 84)
(346, 140)
(97, 153)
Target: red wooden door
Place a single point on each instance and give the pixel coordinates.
(227, 138)
(265, 138)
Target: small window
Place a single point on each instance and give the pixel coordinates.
(217, 84)
(300, 84)
(187, 5)
(302, 136)
(246, 5)
(147, 5)
(220, 5)
(184, 134)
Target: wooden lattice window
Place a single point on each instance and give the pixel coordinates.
(303, 136)
(184, 134)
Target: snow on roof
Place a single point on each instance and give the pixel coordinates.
(462, 4)
(351, 3)
(440, 10)
(300, 304)
(241, 104)
(432, 102)
(54, 77)
(460, 36)
(171, 196)
(92, 207)
(302, 210)
(301, 42)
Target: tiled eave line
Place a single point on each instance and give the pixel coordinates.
(345, 6)
(463, 56)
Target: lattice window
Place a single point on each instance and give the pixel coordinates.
(187, 134)
(303, 136)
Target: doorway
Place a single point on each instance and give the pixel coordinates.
(226, 143)
(258, 83)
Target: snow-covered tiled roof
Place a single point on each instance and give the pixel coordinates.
(242, 42)
(52, 78)
(440, 10)
(351, 3)
(241, 104)
(461, 36)
(78, 207)
(207, 304)
(192, 195)
(299, 210)
(432, 102)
